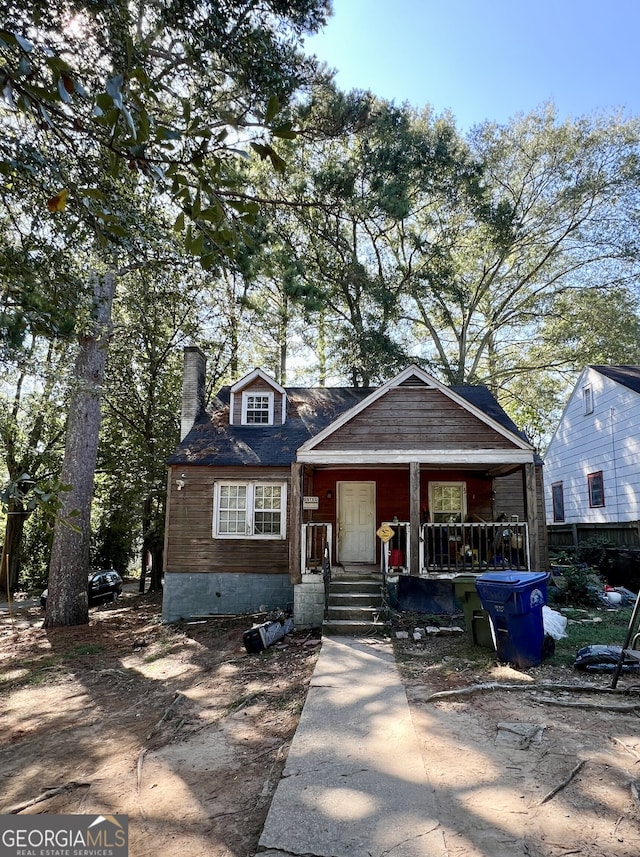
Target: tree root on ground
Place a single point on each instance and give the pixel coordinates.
(47, 794)
(472, 690)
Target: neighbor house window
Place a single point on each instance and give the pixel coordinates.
(596, 489)
(448, 502)
(249, 510)
(587, 398)
(257, 408)
(557, 499)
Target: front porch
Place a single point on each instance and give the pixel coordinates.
(441, 520)
(443, 549)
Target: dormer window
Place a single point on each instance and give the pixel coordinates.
(257, 400)
(257, 408)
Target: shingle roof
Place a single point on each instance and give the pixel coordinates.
(628, 376)
(309, 410)
(486, 402)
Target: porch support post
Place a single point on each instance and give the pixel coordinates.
(532, 514)
(414, 516)
(295, 523)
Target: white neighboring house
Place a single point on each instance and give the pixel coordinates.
(592, 464)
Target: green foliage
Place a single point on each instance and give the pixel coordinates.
(548, 224)
(31, 495)
(577, 586)
(350, 260)
(168, 95)
(116, 537)
(35, 549)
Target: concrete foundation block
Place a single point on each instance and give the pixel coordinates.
(308, 603)
(190, 595)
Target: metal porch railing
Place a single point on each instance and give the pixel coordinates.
(395, 555)
(316, 546)
(474, 547)
(316, 552)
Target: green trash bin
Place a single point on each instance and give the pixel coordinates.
(476, 618)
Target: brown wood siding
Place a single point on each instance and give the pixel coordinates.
(509, 495)
(257, 386)
(190, 545)
(415, 418)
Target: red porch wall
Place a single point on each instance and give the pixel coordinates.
(392, 493)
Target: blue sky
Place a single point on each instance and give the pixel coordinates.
(489, 59)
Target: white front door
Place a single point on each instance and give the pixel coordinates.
(356, 522)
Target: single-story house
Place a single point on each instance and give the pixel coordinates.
(592, 463)
(270, 484)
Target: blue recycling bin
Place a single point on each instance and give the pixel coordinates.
(514, 602)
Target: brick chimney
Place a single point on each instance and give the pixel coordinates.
(193, 383)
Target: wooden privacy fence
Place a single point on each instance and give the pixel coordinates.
(573, 536)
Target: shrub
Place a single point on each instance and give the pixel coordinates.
(578, 586)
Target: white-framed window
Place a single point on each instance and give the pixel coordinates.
(448, 502)
(595, 486)
(257, 408)
(557, 501)
(249, 510)
(587, 398)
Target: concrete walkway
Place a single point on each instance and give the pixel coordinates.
(354, 784)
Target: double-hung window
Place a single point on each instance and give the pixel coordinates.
(595, 484)
(249, 510)
(448, 502)
(557, 499)
(257, 409)
(587, 399)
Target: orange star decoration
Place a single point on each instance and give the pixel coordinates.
(59, 201)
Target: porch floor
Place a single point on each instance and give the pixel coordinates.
(356, 569)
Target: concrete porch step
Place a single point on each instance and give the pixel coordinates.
(356, 586)
(355, 599)
(360, 614)
(355, 604)
(351, 628)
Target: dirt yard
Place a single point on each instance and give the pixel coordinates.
(187, 733)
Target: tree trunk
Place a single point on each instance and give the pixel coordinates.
(10, 556)
(143, 571)
(156, 567)
(69, 566)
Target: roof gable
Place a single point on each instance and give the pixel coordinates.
(253, 376)
(258, 383)
(477, 401)
(626, 376)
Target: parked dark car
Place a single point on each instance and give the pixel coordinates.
(102, 586)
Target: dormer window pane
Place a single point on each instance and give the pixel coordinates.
(258, 409)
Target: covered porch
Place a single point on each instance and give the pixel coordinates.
(444, 520)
